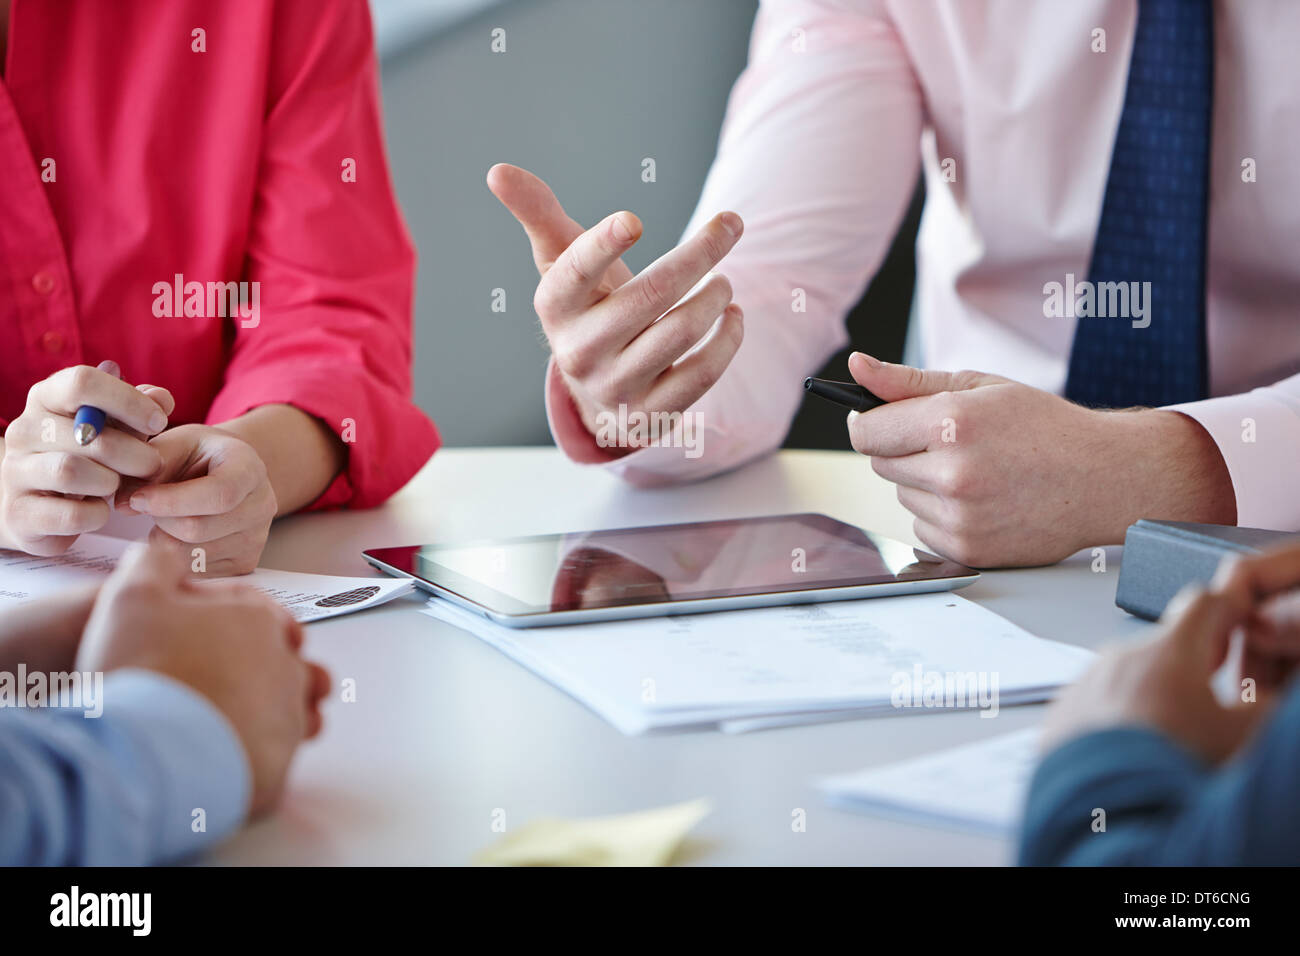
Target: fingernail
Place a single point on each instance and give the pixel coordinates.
(871, 361)
(139, 504)
(732, 223)
(621, 229)
(157, 422)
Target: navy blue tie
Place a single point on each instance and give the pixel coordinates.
(1153, 221)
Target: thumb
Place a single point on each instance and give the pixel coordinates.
(160, 395)
(895, 382)
(549, 228)
(141, 564)
(1199, 626)
(175, 450)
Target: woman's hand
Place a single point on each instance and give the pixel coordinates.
(51, 488)
(211, 500)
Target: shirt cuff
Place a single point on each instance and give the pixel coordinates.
(570, 433)
(187, 756)
(716, 449)
(1258, 434)
(386, 437)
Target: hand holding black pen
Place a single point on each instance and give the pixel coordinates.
(846, 394)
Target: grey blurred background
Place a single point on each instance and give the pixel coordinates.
(585, 90)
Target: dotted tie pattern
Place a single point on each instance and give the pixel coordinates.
(1153, 221)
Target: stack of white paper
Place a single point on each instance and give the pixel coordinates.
(308, 597)
(978, 787)
(745, 669)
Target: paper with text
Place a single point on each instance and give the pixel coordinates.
(804, 659)
(308, 597)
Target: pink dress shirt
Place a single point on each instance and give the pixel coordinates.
(840, 104)
(129, 156)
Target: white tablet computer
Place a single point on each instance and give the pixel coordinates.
(669, 569)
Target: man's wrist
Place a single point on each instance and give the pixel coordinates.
(571, 433)
(1160, 465)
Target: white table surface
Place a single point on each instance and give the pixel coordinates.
(445, 731)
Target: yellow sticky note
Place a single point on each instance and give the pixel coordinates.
(648, 838)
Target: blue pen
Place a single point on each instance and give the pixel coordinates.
(89, 420)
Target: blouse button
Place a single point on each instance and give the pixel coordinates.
(43, 283)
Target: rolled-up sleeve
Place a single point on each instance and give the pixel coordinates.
(158, 776)
(331, 257)
(1258, 434)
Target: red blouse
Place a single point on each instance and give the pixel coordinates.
(150, 147)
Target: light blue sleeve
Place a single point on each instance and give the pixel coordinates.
(123, 788)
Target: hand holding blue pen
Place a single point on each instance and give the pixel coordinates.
(90, 421)
(83, 433)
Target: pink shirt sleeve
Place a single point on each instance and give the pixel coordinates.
(332, 258)
(818, 154)
(1258, 434)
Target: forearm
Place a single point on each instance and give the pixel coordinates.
(302, 456)
(43, 635)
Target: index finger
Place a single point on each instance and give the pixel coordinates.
(573, 282)
(894, 430)
(318, 688)
(1275, 627)
(160, 395)
(1260, 575)
(68, 389)
(1199, 625)
(293, 633)
(662, 284)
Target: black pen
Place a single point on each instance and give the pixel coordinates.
(847, 394)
